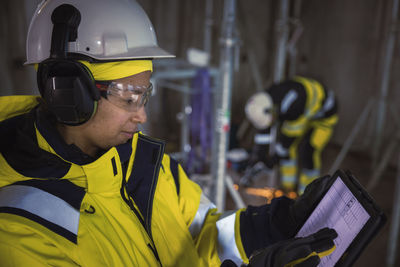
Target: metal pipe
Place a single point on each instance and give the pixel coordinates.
(283, 35)
(235, 194)
(395, 225)
(208, 23)
(292, 48)
(184, 73)
(387, 156)
(185, 124)
(350, 139)
(395, 115)
(274, 175)
(385, 82)
(183, 88)
(223, 102)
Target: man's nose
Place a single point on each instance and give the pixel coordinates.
(140, 115)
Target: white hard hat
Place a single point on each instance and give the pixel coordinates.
(258, 110)
(108, 30)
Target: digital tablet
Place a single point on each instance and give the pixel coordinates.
(352, 212)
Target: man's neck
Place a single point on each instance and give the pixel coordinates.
(72, 135)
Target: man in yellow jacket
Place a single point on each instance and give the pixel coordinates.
(81, 186)
(306, 113)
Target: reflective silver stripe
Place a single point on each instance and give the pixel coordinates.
(296, 127)
(42, 204)
(227, 248)
(204, 207)
(288, 179)
(281, 151)
(288, 162)
(288, 100)
(262, 139)
(329, 102)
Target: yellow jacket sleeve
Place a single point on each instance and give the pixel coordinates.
(216, 236)
(22, 246)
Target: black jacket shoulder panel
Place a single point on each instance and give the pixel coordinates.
(290, 99)
(20, 149)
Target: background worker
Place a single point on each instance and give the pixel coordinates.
(306, 113)
(81, 186)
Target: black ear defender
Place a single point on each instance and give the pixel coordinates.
(66, 85)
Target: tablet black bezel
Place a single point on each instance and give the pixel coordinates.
(371, 227)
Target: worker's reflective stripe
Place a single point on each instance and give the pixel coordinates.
(281, 151)
(288, 179)
(227, 248)
(201, 214)
(288, 163)
(328, 104)
(288, 100)
(41, 204)
(288, 170)
(262, 139)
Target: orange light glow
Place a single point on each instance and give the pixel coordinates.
(261, 192)
(267, 192)
(278, 193)
(292, 195)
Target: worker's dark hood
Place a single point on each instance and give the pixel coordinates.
(19, 147)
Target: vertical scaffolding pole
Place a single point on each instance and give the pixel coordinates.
(185, 123)
(395, 224)
(292, 48)
(208, 23)
(382, 106)
(223, 102)
(282, 29)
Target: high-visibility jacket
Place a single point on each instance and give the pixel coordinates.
(132, 206)
(300, 102)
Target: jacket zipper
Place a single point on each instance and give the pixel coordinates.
(137, 214)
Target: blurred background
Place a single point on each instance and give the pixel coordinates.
(242, 47)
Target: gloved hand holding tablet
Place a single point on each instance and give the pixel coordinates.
(350, 210)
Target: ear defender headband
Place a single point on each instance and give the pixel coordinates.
(66, 85)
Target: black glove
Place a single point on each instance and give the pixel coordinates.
(290, 221)
(303, 251)
(306, 202)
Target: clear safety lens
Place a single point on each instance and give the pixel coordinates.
(127, 96)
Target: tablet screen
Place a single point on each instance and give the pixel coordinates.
(338, 209)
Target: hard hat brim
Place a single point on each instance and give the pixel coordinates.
(132, 54)
(135, 53)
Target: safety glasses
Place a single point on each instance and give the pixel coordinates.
(126, 96)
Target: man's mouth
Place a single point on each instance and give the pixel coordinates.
(128, 134)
